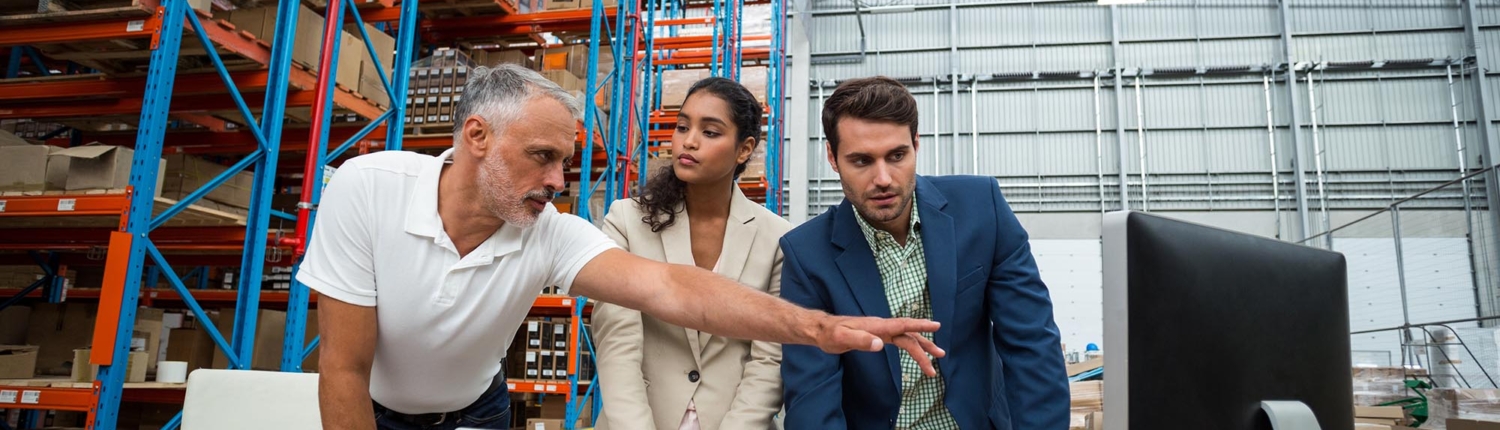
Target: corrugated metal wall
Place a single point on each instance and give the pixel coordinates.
(1383, 131)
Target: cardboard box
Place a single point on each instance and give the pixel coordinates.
(548, 364)
(676, 83)
(370, 84)
(1389, 412)
(57, 329)
(32, 168)
(83, 371)
(559, 4)
(544, 424)
(754, 79)
(351, 56)
(148, 325)
(13, 323)
(270, 329)
(10, 139)
(534, 333)
(560, 365)
(191, 345)
(495, 58)
(186, 174)
(533, 364)
(572, 58)
(93, 167)
(565, 79)
(17, 361)
(261, 22)
(560, 336)
(1468, 424)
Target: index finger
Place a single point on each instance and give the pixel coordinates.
(911, 325)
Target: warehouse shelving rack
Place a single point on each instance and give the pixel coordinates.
(138, 249)
(636, 86)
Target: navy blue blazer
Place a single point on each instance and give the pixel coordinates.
(1004, 368)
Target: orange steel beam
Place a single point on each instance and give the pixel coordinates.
(233, 40)
(441, 34)
(690, 42)
(749, 54)
(111, 298)
(685, 21)
(48, 398)
(108, 29)
(75, 205)
(207, 102)
(212, 123)
(134, 87)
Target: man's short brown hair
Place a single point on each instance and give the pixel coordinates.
(878, 99)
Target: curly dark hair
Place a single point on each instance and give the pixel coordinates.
(664, 192)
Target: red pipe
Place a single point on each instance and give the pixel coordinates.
(331, 36)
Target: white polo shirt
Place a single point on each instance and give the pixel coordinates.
(444, 322)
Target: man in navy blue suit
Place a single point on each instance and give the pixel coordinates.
(944, 248)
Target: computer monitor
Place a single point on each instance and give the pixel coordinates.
(1203, 325)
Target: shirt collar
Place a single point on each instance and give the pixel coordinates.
(422, 216)
(421, 211)
(879, 238)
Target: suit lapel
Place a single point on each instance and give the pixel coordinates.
(938, 239)
(677, 244)
(739, 234)
(862, 276)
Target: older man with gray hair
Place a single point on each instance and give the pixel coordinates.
(427, 265)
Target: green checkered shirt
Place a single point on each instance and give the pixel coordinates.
(903, 270)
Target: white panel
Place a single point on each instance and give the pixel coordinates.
(1067, 154)
(1074, 277)
(1071, 23)
(1437, 282)
(1238, 151)
(1246, 19)
(887, 31)
(1243, 52)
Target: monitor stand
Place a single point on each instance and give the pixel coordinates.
(1290, 415)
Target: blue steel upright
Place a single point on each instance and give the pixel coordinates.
(406, 40)
(252, 264)
(155, 105)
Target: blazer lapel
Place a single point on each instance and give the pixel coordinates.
(938, 239)
(739, 234)
(862, 276)
(677, 244)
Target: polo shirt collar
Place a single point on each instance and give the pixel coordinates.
(421, 211)
(422, 217)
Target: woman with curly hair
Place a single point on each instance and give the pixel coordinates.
(655, 375)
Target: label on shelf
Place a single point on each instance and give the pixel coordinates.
(2, 205)
(31, 397)
(7, 396)
(567, 302)
(509, 386)
(66, 205)
(135, 25)
(551, 388)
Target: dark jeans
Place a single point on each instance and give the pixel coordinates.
(491, 411)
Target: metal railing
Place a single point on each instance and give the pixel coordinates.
(1423, 281)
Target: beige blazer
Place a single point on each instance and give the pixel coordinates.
(644, 363)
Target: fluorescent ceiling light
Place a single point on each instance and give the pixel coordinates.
(891, 9)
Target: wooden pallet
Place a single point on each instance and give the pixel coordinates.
(434, 129)
(26, 12)
(64, 382)
(204, 213)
